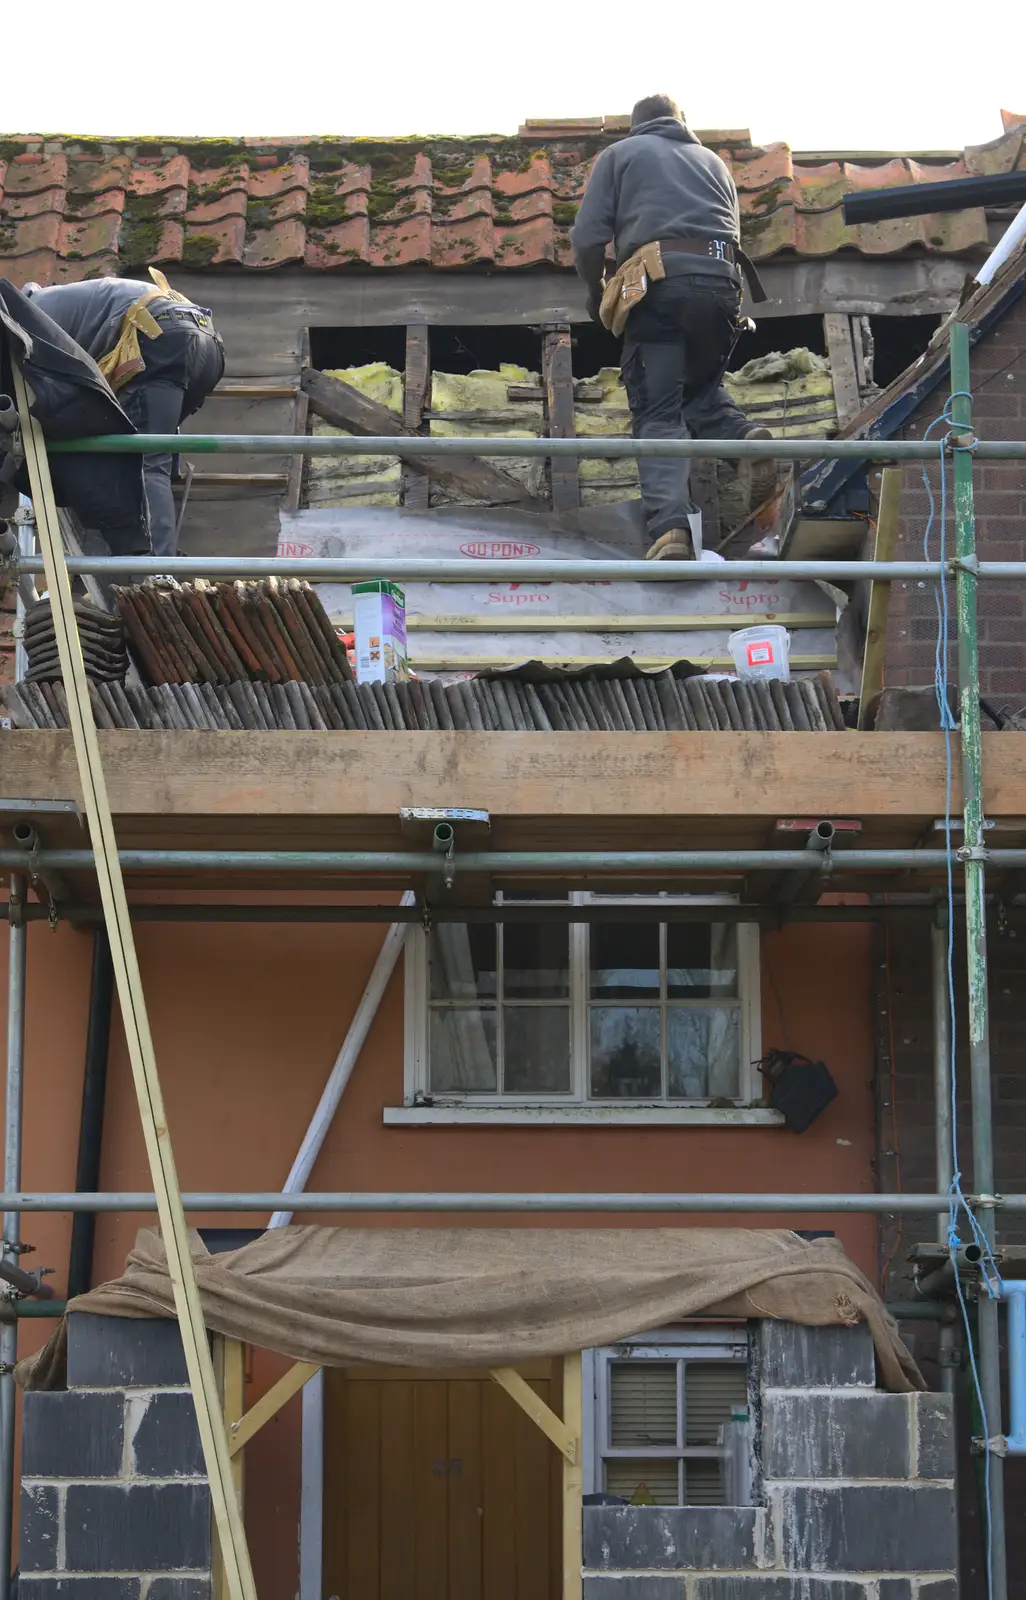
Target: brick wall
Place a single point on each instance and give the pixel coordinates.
(114, 1500)
(856, 1495)
(999, 412)
(905, 1115)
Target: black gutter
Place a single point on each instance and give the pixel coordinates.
(94, 1097)
(923, 199)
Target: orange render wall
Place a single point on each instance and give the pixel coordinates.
(247, 1021)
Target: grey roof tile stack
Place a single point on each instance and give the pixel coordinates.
(646, 703)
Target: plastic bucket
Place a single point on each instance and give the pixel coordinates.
(761, 652)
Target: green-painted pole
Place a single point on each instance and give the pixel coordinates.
(976, 929)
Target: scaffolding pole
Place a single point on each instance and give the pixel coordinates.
(16, 963)
(940, 931)
(445, 569)
(973, 856)
(598, 863)
(466, 1201)
(590, 448)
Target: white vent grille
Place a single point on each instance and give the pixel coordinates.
(643, 1404)
(712, 1391)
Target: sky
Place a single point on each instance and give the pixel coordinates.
(830, 75)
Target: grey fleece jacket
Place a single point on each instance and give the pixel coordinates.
(658, 183)
(91, 312)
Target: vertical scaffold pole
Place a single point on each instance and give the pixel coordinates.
(976, 928)
(17, 933)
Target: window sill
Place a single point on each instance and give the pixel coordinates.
(582, 1116)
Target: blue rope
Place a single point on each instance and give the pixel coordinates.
(957, 1202)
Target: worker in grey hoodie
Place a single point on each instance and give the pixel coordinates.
(661, 185)
(180, 368)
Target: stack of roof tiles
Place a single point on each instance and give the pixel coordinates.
(102, 637)
(277, 627)
(74, 208)
(273, 630)
(621, 698)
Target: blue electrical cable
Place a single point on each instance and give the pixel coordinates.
(957, 1201)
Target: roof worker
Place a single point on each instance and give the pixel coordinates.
(670, 208)
(160, 354)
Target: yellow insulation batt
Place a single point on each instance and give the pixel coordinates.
(357, 480)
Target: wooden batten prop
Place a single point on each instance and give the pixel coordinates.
(554, 1428)
(884, 546)
(227, 1516)
(838, 335)
(573, 1481)
(416, 396)
(558, 380)
(300, 417)
(230, 1377)
(241, 1428)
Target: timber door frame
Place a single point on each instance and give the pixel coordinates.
(565, 1432)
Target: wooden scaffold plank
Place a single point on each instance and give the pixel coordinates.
(227, 1515)
(573, 1481)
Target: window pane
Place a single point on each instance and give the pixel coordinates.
(625, 961)
(463, 961)
(625, 1061)
(535, 961)
(462, 1050)
(642, 1403)
(704, 1049)
(704, 1483)
(536, 1045)
(701, 960)
(713, 1392)
(645, 1483)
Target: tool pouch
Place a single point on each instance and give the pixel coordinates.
(629, 285)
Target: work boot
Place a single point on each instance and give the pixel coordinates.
(673, 545)
(756, 475)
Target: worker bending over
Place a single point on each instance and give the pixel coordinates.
(161, 356)
(670, 208)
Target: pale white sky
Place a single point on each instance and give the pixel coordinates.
(873, 74)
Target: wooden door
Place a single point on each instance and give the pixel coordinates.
(438, 1487)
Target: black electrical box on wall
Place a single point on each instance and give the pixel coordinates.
(799, 1088)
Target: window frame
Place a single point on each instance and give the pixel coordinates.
(577, 1100)
(666, 1344)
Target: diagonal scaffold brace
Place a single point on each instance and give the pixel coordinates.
(227, 1514)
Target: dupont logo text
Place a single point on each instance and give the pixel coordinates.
(498, 550)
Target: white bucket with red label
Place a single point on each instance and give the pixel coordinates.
(761, 652)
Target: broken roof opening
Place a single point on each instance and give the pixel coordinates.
(357, 347)
(898, 341)
(456, 350)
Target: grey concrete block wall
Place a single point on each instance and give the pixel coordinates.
(115, 1503)
(855, 1497)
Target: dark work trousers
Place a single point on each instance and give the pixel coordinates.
(182, 367)
(676, 347)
